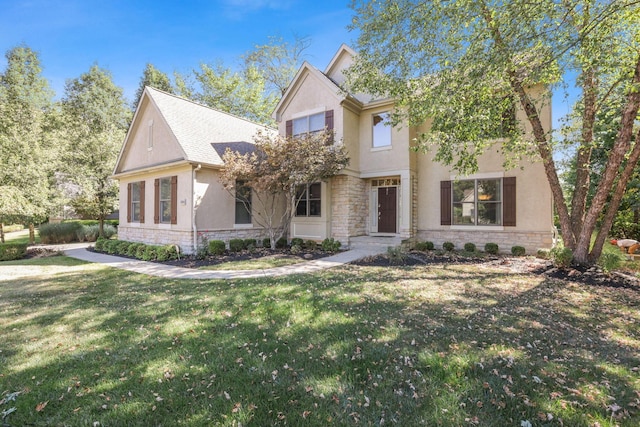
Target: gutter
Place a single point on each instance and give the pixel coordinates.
(193, 209)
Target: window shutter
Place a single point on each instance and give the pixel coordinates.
(129, 202)
(142, 201)
(445, 202)
(289, 128)
(509, 191)
(156, 201)
(328, 122)
(174, 199)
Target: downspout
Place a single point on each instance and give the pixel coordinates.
(193, 209)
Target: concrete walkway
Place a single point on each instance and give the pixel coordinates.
(79, 251)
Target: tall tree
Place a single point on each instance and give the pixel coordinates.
(276, 170)
(97, 116)
(154, 78)
(457, 63)
(27, 157)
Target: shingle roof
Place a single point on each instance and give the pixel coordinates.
(197, 127)
(241, 147)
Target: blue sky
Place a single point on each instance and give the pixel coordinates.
(123, 35)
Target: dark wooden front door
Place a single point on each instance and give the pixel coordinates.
(387, 209)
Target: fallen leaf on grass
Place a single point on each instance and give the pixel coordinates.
(40, 406)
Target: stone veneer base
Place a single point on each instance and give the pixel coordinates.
(531, 241)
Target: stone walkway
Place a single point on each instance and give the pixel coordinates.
(79, 251)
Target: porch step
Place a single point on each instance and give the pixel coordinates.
(378, 242)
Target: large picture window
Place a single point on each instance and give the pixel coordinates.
(477, 202)
(243, 203)
(309, 124)
(309, 200)
(381, 130)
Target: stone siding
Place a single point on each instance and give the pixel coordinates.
(349, 208)
(228, 234)
(531, 241)
(157, 236)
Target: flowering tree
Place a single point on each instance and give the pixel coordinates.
(275, 170)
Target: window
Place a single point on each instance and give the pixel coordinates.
(309, 200)
(309, 124)
(166, 198)
(135, 202)
(243, 203)
(477, 202)
(381, 130)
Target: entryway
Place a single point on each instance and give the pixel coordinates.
(387, 209)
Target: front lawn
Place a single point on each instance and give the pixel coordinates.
(450, 345)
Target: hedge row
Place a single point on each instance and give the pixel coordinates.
(67, 232)
(490, 248)
(12, 251)
(137, 250)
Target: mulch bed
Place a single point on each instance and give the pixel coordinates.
(589, 275)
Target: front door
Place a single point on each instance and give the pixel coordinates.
(387, 203)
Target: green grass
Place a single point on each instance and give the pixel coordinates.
(21, 236)
(447, 345)
(262, 263)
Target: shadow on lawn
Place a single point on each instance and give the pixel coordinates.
(424, 345)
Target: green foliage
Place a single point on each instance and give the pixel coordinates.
(166, 252)
(150, 253)
(331, 245)
(610, 261)
(236, 245)
(133, 249)
(296, 249)
(281, 243)
(561, 257)
(491, 248)
(469, 247)
(448, 246)
(249, 243)
(64, 232)
(266, 242)
(111, 246)
(154, 78)
(518, 251)
(423, 246)
(217, 247)
(543, 253)
(310, 245)
(140, 251)
(12, 251)
(396, 255)
(297, 241)
(99, 246)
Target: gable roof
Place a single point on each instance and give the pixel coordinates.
(196, 127)
(240, 147)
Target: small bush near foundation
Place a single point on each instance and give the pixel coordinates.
(543, 253)
(266, 242)
(123, 247)
(167, 252)
(518, 251)
(469, 247)
(396, 255)
(491, 248)
(111, 246)
(12, 251)
(281, 243)
(236, 245)
(250, 243)
(99, 246)
(609, 261)
(216, 247)
(296, 249)
(424, 246)
(561, 257)
(448, 246)
(150, 253)
(297, 241)
(310, 245)
(331, 245)
(133, 249)
(140, 251)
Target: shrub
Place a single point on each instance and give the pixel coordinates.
(396, 255)
(469, 247)
(216, 247)
(99, 246)
(543, 253)
(91, 232)
(518, 251)
(150, 253)
(609, 261)
(331, 245)
(63, 232)
(109, 231)
(249, 243)
(236, 245)
(281, 243)
(122, 247)
(296, 249)
(423, 246)
(266, 242)
(297, 241)
(448, 246)
(561, 257)
(133, 249)
(111, 246)
(140, 251)
(12, 251)
(310, 245)
(491, 248)
(166, 252)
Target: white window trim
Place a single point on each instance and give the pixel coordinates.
(382, 148)
(242, 225)
(310, 112)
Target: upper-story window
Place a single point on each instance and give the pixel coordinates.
(309, 124)
(381, 130)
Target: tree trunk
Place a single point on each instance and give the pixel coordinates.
(614, 203)
(1, 232)
(101, 226)
(616, 156)
(32, 233)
